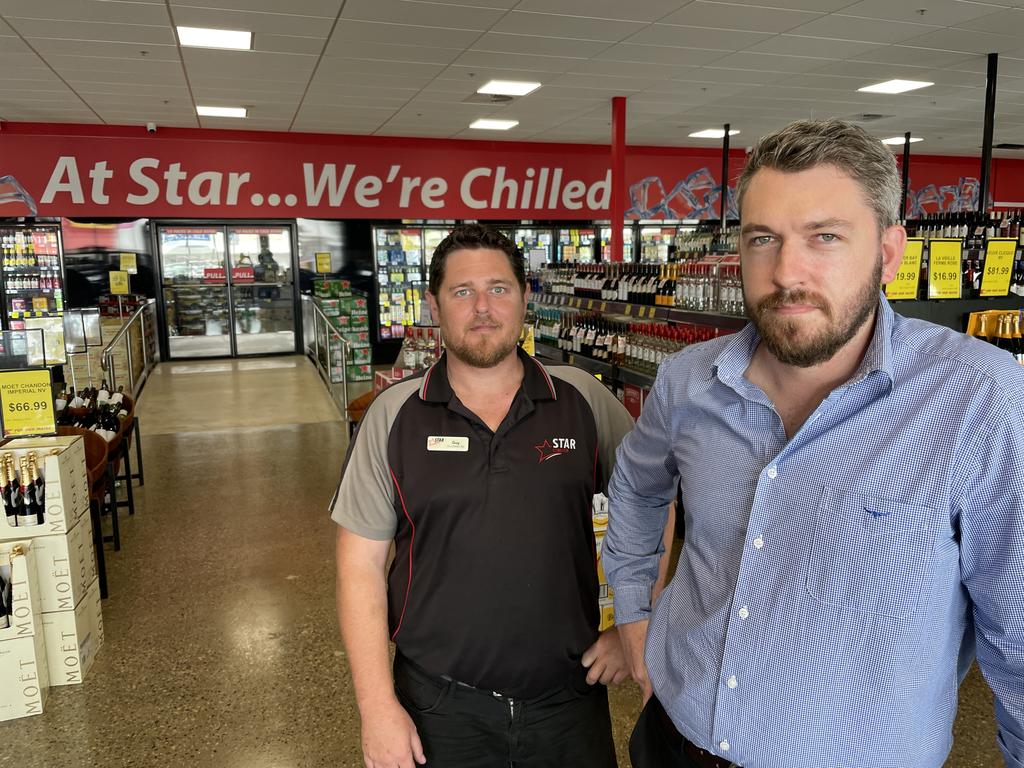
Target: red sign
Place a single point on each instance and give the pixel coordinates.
(122, 171)
(242, 274)
(214, 275)
(633, 399)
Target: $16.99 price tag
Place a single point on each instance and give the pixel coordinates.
(26, 403)
(944, 269)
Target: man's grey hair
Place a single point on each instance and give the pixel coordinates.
(807, 144)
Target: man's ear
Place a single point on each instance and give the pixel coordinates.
(894, 243)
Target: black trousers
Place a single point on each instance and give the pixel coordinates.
(462, 727)
(655, 742)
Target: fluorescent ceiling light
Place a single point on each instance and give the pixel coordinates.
(494, 125)
(201, 37)
(901, 140)
(712, 133)
(895, 86)
(221, 111)
(509, 88)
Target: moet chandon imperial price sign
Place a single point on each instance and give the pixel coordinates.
(904, 285)
(26, 403)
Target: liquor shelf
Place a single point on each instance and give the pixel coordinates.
(641, 311)
(609, 371)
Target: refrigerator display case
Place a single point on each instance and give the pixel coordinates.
(400, 278)
(537, 246)
(432, 237)
(658, 243)
(31, 258)
(606, 244)
(576, 246)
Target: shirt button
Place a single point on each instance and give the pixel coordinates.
(758, 542)
(723, 745)
(743, 612)
(772, 472)
(731, 682)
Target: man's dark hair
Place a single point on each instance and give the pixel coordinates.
(473, 237)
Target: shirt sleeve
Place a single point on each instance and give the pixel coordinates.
(991, 511)
(642, 486)
(364, 501)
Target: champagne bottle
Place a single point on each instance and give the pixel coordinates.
(38, 482)
(28, 512)
(5, 490)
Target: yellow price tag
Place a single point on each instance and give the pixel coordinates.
(904, 285)
(119, 283)
(590, 303)
(629, 310)
(944, 269)
(999, 255)
(130, 263)
(26, 403)
(323, 262)
(527, 341)
(604, 305)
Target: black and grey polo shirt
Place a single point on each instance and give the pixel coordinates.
(494, 580)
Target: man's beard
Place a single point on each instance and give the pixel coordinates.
(781, 335)
(483, 354)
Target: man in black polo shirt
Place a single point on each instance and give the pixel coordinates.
(482, 472)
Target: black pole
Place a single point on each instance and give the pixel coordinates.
(723, 201)
(906, 176)
(990, 118)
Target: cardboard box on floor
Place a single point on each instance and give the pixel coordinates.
(605, 594)
(73, 638)
(66, 566)
(66, 484)
(24, 671)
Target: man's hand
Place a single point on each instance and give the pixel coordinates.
(633, 636)
(389, 737)
(606, 660)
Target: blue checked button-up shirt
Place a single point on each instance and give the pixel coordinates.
(832, 587)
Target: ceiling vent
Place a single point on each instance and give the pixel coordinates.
(1008, 145)
(494, 99)
(868, 117)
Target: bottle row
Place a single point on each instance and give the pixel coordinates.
(42, 282)
(1001, 328)
(28, 248)
(23, 490)
(420, 348)
(702, 286)
(98, 410)
(639, 346)
(972, 227)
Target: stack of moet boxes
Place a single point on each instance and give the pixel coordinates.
(24, 668)
(64, 578)
(347, 311)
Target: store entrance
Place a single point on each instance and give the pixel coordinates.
(227, 290)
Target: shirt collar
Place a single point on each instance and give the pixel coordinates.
(734, 360)
(537, 384)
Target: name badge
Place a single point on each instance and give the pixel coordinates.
(441, 443)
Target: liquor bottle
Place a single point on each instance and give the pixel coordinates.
(1018, 340)
(38, 481)
(28, 513)
(34, 490)
(6, 481)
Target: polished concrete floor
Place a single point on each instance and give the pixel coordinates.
(221, 642)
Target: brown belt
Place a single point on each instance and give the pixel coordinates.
(703, 758)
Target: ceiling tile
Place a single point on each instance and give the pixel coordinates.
(521, 61)
(322, 8)
(1008, 22)
(647, 11)
(798, 45)
(943, 13)
(257, 23)
(658, 54)
(543, 46)
(965, 41)
(397, 34)
(705, 13)
(141, 34)
(423, 54)
(912, 56)
(126, 52)
(421, 14)
(698, 37)
(252, 64)
(768, 62)
(570, 27)
(88, 10)
(843, 27)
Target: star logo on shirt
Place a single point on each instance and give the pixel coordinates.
(548, 451)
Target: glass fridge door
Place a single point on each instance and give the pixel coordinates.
(30, 257)
(399, 279)
(606, 244)
(195, 287)
(262, 299)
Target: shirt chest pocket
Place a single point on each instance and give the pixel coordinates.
(870, 555)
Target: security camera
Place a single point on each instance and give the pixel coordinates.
(151, 127)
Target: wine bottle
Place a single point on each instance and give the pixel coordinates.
(5, 490)
(38, 482)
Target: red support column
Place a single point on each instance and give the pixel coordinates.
(618, 192)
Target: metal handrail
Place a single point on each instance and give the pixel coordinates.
(137, 318)
(319, 318)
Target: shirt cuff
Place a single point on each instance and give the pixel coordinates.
(633, 603)
(1012, 747)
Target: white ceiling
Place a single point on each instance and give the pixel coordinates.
(405, 67)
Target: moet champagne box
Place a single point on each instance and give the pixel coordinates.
(604, 599)
(66, 566)
(24, 672)
(65, 483)
(73, 638)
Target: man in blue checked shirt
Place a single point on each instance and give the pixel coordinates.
(853, 485)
